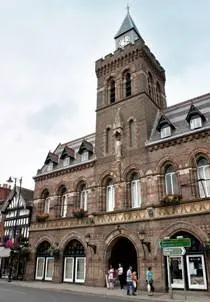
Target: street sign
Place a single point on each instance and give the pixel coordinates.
(174, 251)
(179, 242)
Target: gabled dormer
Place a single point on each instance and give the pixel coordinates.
(165, 127)
(128, 32)
(195, 118)
(51, 161)
(85, 150)
(67, 155)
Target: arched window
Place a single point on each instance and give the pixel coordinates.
(127, 84)
(44, 206)
(135, 191)
(112, 91)
(63, 201)
(108, 140)
(110, 196)
(150, 84)
(171, 184)
(83, 197)
(203, 176)
(158, 94)
(131, 133)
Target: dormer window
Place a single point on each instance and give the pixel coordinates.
(84, 156)
(66, 161)
(165, 131)
(195, 122)
(50, 167)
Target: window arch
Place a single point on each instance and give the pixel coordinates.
(45, 203)
(83, 196)
(135, 191)
(131, 133)
(110, 196)
(108, 140)
(127, 81)
(203, 176)
(112, 91)
(150, 84)
(63, 201)
(171, 182)
(158, 94)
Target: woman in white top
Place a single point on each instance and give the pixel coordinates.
(120, 276)
(111, 277)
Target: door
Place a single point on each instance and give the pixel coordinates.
(68, 269)
(177, 272)
(40, 262)
(49, 269)
(196, 272)
(80, 269)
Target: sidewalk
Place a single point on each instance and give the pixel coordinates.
(114, 293)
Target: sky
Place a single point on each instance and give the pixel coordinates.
(48, 50)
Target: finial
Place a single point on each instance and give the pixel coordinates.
(128, 8)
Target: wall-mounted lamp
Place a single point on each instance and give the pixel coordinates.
(144, 243)
(92, 246)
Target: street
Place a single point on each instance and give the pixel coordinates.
(10, 292)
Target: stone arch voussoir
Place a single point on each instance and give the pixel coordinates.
(71, 236)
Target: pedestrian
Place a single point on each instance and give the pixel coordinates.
(129, 281)
(120, 275)
(134, 279)
(149, 280)
(111, 277)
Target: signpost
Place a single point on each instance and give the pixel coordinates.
(174, 251)
(174, 247)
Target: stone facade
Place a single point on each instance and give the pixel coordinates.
(127, 143)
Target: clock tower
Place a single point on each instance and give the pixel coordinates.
(128, 32)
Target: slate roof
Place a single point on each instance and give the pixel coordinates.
(127, 25)
(177, 115)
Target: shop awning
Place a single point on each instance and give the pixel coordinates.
(4, 253)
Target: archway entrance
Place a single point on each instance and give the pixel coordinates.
(122, 251)
(190, 269)
(44, 262)
(74, 262)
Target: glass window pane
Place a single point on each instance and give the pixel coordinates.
(49, 271)
(168, 183)
(80, 269)
(40, 268)
(68, 269)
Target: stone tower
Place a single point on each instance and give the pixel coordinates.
(130, 91)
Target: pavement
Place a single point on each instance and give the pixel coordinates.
(116, 293)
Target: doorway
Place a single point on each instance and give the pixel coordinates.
(122, 251)
(189, 270)
(44, 263)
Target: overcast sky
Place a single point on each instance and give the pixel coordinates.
(48, 49)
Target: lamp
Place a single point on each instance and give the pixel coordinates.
(144, 243)
(92, 246)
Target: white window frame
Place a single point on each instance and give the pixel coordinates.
(46, 264)
(66, 161)
(195, 123)
(64, 272)
(196, 286)
(83, 199)
(47, 205)
(84, 156)
(173, 181)
(135, 193)
(204, 185)
(42, 275)
(165, 132)
(110, 198)
(76, 279)
(64, 205)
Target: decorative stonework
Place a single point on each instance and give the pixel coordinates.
(191, 208)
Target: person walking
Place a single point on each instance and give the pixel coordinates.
(111, 277)
(149, 280)
(120, 276)
(129, 281)
(134, 279)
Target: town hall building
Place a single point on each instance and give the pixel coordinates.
(144, 175)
